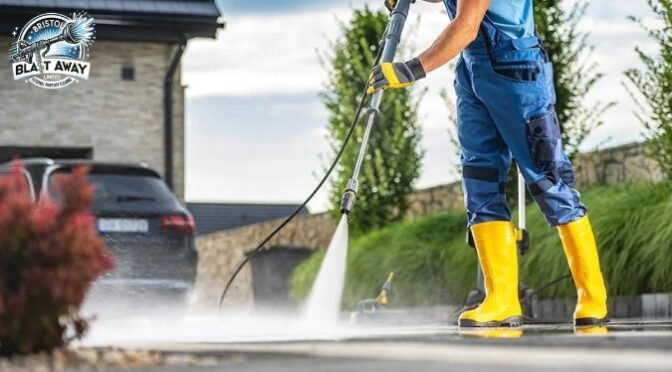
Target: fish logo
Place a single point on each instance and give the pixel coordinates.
(51, 50)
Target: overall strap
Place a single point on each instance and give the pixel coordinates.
(451, 8)
(488, 42)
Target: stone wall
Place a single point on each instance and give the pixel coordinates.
(435, 199)
(622, 164)
(220, 252)
(121, 120)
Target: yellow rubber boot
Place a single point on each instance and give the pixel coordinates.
(581, 251)
(498, 256)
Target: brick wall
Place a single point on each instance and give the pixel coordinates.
(121, 120)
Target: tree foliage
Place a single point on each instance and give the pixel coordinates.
(393, 160)
(654, 85)
(574, 74)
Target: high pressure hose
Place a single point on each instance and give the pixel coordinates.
(324, 179)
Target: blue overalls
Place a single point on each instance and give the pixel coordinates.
(505, 106)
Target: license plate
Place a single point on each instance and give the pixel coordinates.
(123, 225)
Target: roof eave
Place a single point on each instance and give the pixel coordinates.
(127, 26)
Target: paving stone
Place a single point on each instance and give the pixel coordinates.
(663, 305)
(649, 306)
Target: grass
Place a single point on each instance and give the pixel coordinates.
(434, 265)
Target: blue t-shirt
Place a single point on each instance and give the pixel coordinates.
(513, 17)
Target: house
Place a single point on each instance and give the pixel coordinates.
(131, 108)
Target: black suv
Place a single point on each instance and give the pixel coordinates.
(145, 227)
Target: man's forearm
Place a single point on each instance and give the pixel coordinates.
(446, 47)
(457, 35)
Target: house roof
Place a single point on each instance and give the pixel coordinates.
(143, 20)
(214, 217)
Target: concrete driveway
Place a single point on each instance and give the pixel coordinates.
(622, 346)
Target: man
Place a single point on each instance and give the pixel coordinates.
(505, 107)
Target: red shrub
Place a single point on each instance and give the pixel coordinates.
(50, 254)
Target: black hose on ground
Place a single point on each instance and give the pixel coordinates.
(553, 282)
(351, 131)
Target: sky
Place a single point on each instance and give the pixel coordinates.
(255, 126)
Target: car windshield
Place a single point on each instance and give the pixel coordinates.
(126, 192)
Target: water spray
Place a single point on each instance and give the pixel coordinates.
(388, 48)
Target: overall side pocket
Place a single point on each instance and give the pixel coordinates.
(519, 65)
(518, 71)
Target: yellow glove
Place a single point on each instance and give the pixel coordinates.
(391, 4)
(395, 75)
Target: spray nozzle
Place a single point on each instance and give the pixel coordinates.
(349, 197)
(348, 202)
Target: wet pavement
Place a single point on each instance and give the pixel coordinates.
(649, 335)
(619, 346)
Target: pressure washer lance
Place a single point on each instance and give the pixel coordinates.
(388, 47)
(395, 28)
(522, 235)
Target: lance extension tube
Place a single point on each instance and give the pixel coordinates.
(392, 39)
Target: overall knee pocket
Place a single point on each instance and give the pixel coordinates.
(554, 193)
(545, 141)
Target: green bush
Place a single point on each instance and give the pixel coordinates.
(434, 265)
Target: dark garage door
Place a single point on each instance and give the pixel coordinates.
(271, 271)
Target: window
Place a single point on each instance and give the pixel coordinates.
(128, 73)
(117, 191)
